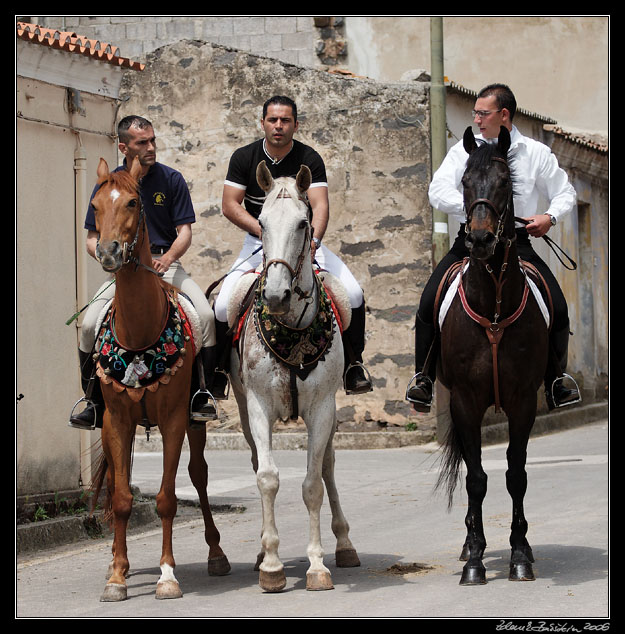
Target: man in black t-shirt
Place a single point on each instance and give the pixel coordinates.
(242, 203)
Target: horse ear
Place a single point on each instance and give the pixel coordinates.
(303, 178)
(103, 170)
(468, 140)
(504, 141)
(135, 168)
(263, 176)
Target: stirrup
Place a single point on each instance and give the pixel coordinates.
(227, 390)
(357, 364)
(199, 419)
(85, 427)
(427, 404)
(560, 379)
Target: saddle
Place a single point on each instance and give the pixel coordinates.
(448, 288)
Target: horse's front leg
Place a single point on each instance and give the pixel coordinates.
(218, 563)
(468, 429)
(346, 555)
(271, 570)
(516, 482)
(172, 430)
(319, 421)
(117, 434)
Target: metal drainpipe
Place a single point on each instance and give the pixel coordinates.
(438, 133)
(440, 228)
(80, 205)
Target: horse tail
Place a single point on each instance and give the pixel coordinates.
(97, 483)
(451, 463)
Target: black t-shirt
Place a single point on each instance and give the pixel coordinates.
(245, 160)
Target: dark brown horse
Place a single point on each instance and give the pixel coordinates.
(145, 321)
(494, 345)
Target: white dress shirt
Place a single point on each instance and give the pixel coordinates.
(535, 173)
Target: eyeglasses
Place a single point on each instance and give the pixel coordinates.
(482, 114)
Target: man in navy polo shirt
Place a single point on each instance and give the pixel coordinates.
(169, 215)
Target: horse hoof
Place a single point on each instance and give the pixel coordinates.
(473, 576)
(319, 580)
(521, 572)
(168, 590)
(218, 566)
(274, 581)
(114, 592)
(347, 558)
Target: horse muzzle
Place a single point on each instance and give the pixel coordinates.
(481, 243)
(110, 255)
(278, 303)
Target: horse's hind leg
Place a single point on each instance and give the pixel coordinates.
(346, 555)
(516, 482)
(198, 471)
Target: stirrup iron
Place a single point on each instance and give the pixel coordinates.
(356, 364)
(201, 418)
(93, 426)
(560, 379)
(413, 380)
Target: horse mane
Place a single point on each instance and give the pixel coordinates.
(122, 179)
(481, 159)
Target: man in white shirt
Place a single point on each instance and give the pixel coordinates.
(536, 173)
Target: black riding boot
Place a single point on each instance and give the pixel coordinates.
(355, 378)
(91, 416)
(203, 406)
(420, 393)
(556, 392)
(222, 361)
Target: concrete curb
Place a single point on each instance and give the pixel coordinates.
(387, 439)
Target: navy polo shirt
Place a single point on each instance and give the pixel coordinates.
(167, 202)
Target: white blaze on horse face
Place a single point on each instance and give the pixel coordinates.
(114, 195)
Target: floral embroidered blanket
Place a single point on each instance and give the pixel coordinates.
(136, 370)
(300, 349)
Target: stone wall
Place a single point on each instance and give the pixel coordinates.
(205, 101)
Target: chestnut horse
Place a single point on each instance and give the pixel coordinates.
(290, 364)
(494, 346)
(145, 318)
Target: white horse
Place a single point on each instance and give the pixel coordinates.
(289, 303)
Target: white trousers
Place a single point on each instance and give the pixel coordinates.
(326, 259)
(176, 276)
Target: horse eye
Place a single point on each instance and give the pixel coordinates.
(132, 203)
(302, 224)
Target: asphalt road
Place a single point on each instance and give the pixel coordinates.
(407, 541)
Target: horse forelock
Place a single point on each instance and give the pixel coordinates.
(277, 192)
(482, 159)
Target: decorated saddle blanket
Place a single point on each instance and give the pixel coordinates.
(300, 349)
(452, 279)
(136, 370)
